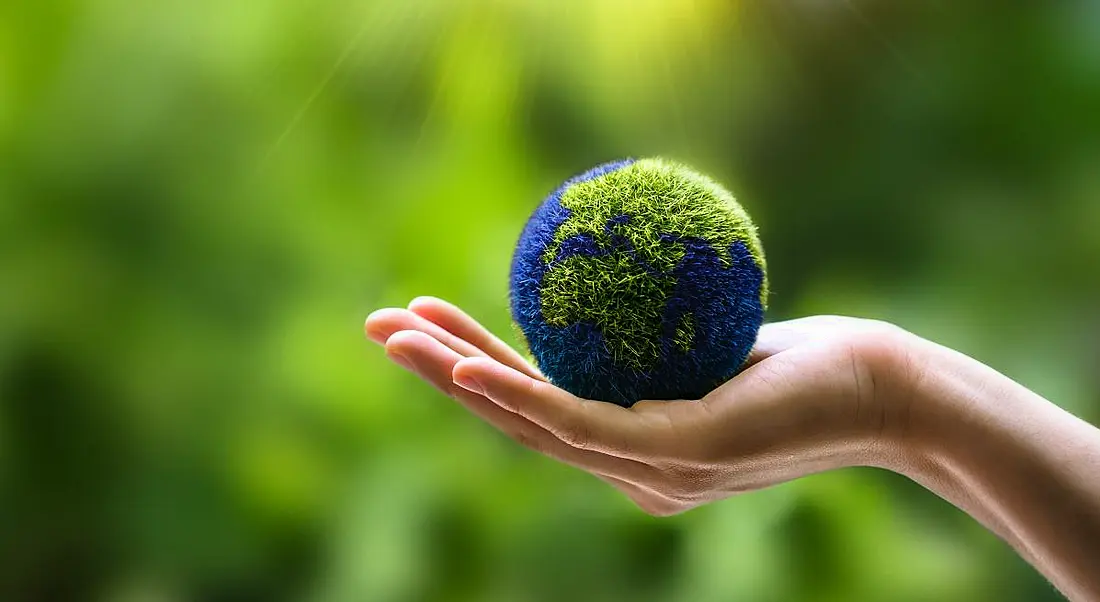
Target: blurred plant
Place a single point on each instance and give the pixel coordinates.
(200, 201)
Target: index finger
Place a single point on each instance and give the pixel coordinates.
(578, 422)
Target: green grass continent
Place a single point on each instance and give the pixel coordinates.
(614, 292)
(661, 197)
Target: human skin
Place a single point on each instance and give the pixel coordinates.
(819, 393)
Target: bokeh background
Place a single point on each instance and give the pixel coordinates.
(201, 200)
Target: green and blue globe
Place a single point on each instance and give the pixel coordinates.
(639, 280)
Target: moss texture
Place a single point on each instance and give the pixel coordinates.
(662, 198)
(611, 262)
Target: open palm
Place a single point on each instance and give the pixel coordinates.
(812, 398)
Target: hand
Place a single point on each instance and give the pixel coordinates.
(818, 393)
(815, 396)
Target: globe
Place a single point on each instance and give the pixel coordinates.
(639, 279)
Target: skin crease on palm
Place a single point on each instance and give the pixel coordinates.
(819, 393)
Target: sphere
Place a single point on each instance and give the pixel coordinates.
(639, 280)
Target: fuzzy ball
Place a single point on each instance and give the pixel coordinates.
(639, 280)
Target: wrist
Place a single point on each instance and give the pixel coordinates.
(918, 393)
(940, 405)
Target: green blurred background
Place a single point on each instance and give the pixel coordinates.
(200, 201)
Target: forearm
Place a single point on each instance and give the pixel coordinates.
(1019, 464)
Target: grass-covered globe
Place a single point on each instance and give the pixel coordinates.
(639, 280)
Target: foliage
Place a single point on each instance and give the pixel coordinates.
(201, 200)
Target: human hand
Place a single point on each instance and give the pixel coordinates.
(818, 393)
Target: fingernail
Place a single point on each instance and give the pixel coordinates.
(402, 361)
(470, 384)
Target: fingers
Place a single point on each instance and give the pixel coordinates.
(424, 356)
(434, 362)
(778, 337)
(774, 338)
(382, 324)
(460, 324)
(450, 326)
(580, 423)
